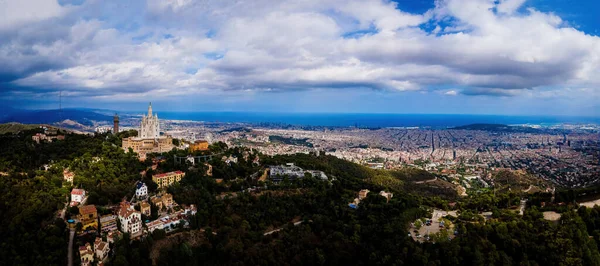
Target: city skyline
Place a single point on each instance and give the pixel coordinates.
(511, 57)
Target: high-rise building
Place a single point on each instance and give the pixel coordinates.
(116, 124)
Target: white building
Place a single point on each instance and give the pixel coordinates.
(77, 196)
(150, 127)
(131, 220)
(141, 190)
(153, 225)
(101, 248)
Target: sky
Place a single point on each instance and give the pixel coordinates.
(508, 57)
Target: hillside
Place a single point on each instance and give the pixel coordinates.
(498, 128)
(83, 117)
(14, 128)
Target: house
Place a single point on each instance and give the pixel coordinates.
(68, 176)
(145, 208)
(101, 248)
(387, 195)
(157, 201)
(131, 220)
(113, 236)
(88, 216)
(153, 225)
(166, 179)
(363, 194)
(170, 223)
(108, 223)
(167, 200)
(199, 145)
(163, 201)
(141, 191)
(190, 210)
(77, 196)
(86, 254)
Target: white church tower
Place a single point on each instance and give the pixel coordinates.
(150, 128)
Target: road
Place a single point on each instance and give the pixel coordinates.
(70, 249)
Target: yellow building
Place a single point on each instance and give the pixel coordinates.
(145, 208)
(166, 179)
(88, 216)
(199, 145)
(143, 146)
(86, 254)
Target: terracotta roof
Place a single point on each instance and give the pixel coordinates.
(77, 191)
(87, 209)
(167, 174)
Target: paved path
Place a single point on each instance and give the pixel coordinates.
(426, 181)
(522, 207)
(279, 229)
(70, 249)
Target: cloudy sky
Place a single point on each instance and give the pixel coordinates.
(362, 56)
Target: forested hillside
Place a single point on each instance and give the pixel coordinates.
(306, 221)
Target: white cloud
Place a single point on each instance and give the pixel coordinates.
(15, 13)
(185, 46)
(451, 93)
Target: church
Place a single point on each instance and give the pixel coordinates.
(149, 139)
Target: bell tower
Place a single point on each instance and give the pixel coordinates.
(116, 124)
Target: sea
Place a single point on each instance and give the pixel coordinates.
(375, 120)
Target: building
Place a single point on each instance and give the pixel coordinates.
(278, 172)
(167, 200)
(363, 194)
(108, 223)
(141, 191)
(163, 201)
(68, 176)
(88, 216)
(166, 179)
(157, 201)
(199, 145)
(115, 124)
(113, 236)
(387, 195)
(149, 139)
(150, 127)
(86, 254)
(101, 248)
(77, 196)
(40, 137)
(131, 220)
(153, 225)
(145, 208)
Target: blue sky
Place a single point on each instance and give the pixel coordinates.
(516, 57)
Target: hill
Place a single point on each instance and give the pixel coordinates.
(53, 116)
(498, 128)
(15, 128)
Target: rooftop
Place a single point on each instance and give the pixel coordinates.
(87, 209)
(168, 174)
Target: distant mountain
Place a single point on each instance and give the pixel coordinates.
(54, 116)
(498, 128)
